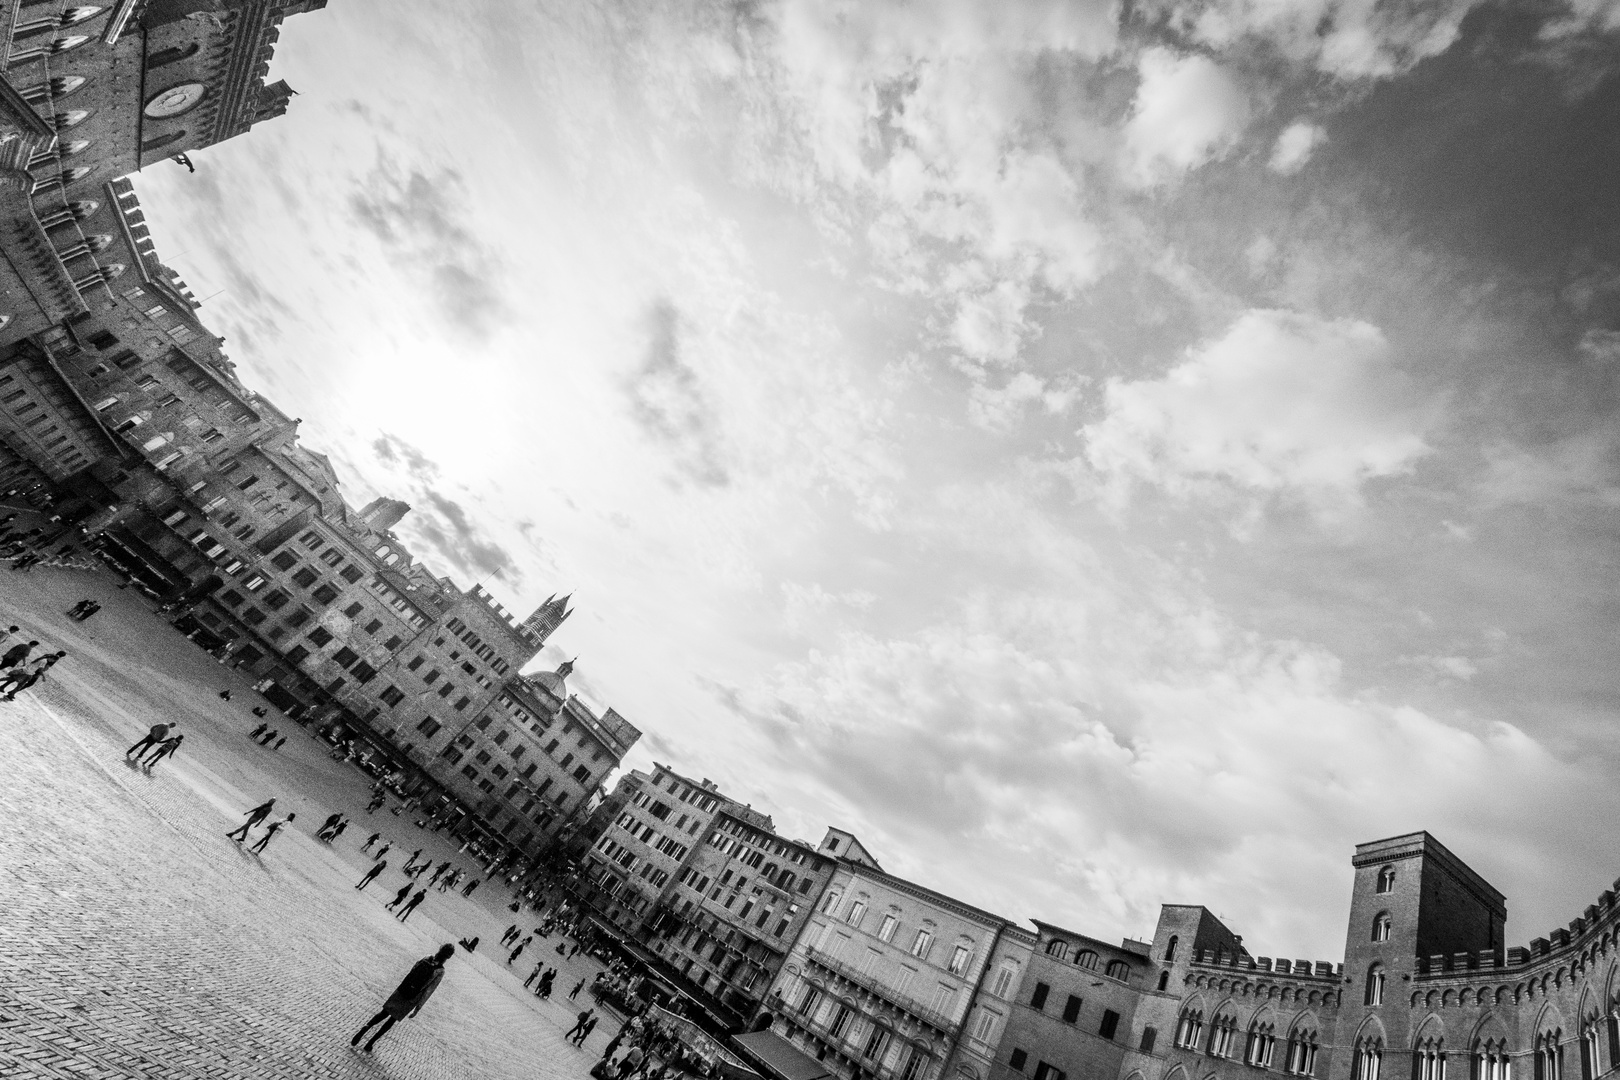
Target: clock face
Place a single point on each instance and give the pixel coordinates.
(176, 100)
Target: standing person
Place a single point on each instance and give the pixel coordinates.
(273, 828)
(399, 897)
(438, 872)
(376, 802)
(279, 742)
(326, 826)
(546, 982)
(164, 749)
(471, 885)
(254, 816)
(574, 993)
(264, 740)
(579, 1024)
(17, 654)
(256, 732)
(517, 952)
(411, 862)
(411, 905)
(372, 839)
(590, 1026)
(385, 849)
(409, 997)
(157, 734)
(511, 932)
(371, 875)
(535, 974)
(337, 832)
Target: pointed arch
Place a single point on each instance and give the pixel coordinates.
(1550, 1018)
(1430, 1029)
(1371, 1030)
(1177, 1072)
(1489, 1029)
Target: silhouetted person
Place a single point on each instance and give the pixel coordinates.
(274, 827)
(411, 905)
(399, 897)
(157, 734)
(166, 748)
(409, 997)
(254, 816)
(381, 865)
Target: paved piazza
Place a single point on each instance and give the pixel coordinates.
(136, 941)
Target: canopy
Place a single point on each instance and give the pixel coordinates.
(782, 1058)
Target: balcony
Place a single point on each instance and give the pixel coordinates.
(874, 986)
(847, 1052)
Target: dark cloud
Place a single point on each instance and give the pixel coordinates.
(418, 215)
(668, 401)
(445, 526)
(392, 450)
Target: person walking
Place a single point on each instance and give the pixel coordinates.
(264, 740)
(471, 885)
(510, 935)
(372, 839)
(279, 743)
(157, 734)
(400, 897)
(337, 832)
(371, 875)
(385, 849)
(17, 654)
(254, 816)
(438, 872)
(411, 862)
(326, 826)
(270, 831)
(517, 952)
(574, 993)
(409, 997)
(256, 732)
(585, 1033)
(579, 1024)
(411, 905)
(164, 749)
(535, 974)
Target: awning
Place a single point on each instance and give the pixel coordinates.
(784, 1060)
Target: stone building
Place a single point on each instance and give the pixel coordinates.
(632, 865)
(93, 92)
(883, 979)
(736, 908)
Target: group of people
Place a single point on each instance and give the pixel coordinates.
(83, 610)
(20, 667)
(26, 547)
(160, 741)
(264, 733)
(254, 817)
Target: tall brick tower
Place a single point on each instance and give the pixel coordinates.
(1411, 899)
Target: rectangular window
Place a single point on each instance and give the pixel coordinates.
(431, 677)
(350, 574)
(275, 600)
(961, 957)
(392, 643)
(857, 911)
(1149, 1036)
(305, 577)
(252, 615)
(1071, 1009)
(1043, 1071)
(298, 618)
(325, 594)
(887, 928)
(392, 696)
(373, 626)
(231, 597)
(295, 654)
(921, 944)
(363, 672)
(428, 727)
(1110, 1023)
(1037, 1000)
(345, 657)
(354, 609)
(284, 561)
(414, 664)
(1017, 1058)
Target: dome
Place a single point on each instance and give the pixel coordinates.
(552, 682)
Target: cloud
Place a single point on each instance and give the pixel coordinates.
(447, 527)
(393, 451)
(669, 403)
(417, 216)
(1282, 403)
(1188, 111)
(1001, 409)
(1348, 39)
(1294, 147)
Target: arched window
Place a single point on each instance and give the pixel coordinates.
(1368, 1060)
(1170, 950)
(1118, 969)
(1189, 1028)
(172, 55)
(74, 15)
(1086, 959)
(1386, 879)
(1380, 927)
(1429, 1060)
(1164, 981)
(1222, 1034)
(1261, 1043)
(51, 48)
(1549, 1057)
(72, 118)
(1301, 1052)
(1492, 1061)
(1375, 985)
(1592, 1033)
(58, 87)
(1059, 949)
(162, 140)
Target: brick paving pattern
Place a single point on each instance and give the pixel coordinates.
(136, 941)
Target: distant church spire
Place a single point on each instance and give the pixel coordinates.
(546, 618)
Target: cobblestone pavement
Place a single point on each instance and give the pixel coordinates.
(136, 941)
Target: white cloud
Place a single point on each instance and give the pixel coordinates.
(1000, 409)
(1295, 145)
(1188, 111)
(1280, 403)
(1349, 39)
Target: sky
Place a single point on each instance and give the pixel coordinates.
(1103, 455)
